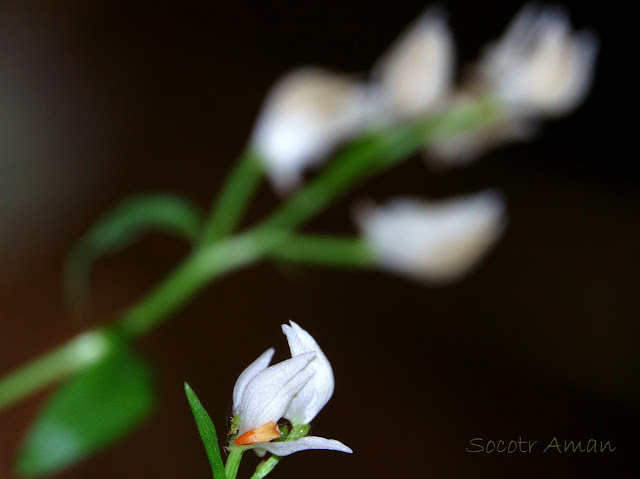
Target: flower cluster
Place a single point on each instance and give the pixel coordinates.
(295, 389)
(538, 69)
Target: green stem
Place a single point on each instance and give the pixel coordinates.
(329, 251)
(78, 353)
(361, 160)
(233, 462)
(190, 277)
(373, 154)
(234, 196)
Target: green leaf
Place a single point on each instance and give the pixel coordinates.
(87, 413)
(121, 226)
(207, 433)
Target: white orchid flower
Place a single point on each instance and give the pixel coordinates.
(434, 241)
(414, 76)
(539, 66)
(306, 115)
(295, 389)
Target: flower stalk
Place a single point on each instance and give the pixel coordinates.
(365, 157)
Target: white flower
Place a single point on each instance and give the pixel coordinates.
(540, 66)
(414, 76)
(307, 114)
(295, 389)
(434, 241)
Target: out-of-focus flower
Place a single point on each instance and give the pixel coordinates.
(464, 147)
(295, 389)
(539, 66)
(414, 76)
(307, 113)
(434, 241)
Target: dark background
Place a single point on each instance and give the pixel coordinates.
(104, 99)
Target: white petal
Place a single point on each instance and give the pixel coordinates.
(317, 392)
(540, 66)
(306, 114)
(285, 448)
(248, 374)
(267, 396)
(434, 241)
(416, 73)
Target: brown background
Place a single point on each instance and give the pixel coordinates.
(104, 99)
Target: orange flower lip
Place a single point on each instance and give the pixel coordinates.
(265, 433)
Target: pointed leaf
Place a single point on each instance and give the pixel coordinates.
(207, 433)
(90, 411)
(122, 225)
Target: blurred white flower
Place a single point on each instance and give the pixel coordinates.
(306, 115)
(539, 66)
(414, 76)
(295, 389)
(434, 241)
(464, 147)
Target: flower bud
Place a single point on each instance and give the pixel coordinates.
(539, 66)
(414, 75)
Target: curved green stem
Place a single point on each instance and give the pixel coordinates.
(234, 196)
(325, 250)
(75, 355)
(359, 161)
(191, 276)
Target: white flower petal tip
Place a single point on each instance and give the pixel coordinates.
(317, 392)
(248, 374)
(306, 115)
(285, 448)
(434, 242)
(414, 76)
(539, 66)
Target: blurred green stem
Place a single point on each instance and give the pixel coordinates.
(359, 161)
(234, 196)
(325, 250)
(202, 266)
(77, 354)
(374, 153)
